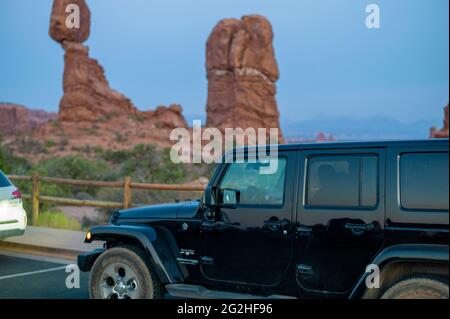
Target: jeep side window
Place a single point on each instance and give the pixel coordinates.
(342, 181)
(256, 188)
(424, 181)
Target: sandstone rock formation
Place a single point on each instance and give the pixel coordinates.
(87, 95)
(58, 28)
(167, 117)
(17, 119)
(241, 69)
(91, 114)
(242, 72)
(443, 132)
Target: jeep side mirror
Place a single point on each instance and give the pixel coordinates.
(210, 196)
(229, 197)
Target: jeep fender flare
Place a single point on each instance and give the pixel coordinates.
(403, 252)
(152, 240)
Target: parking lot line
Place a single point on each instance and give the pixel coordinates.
(33, 272)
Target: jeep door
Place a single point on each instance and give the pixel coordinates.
(340, 217)
(251, 243)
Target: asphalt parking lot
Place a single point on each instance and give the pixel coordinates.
(27, 277)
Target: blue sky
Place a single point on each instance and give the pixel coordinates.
(331, 65)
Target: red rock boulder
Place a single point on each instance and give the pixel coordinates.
(242, 72)
(61, 12)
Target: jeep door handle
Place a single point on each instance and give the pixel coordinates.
(359, 227)
(304, 231)
(272, 224)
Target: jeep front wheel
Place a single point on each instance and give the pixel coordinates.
(417, 288)
(124, 272)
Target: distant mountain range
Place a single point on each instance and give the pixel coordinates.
(372, 128)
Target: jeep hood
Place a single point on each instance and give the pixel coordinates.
(186, 209)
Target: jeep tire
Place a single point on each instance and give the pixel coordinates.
(417, 288)
(124, 272)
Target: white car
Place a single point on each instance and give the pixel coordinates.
(13, 218)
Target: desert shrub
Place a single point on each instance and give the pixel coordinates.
(73, 167)
(146, 163)
(11, 164)
(57, 219)
(113, 157)
(49, 144)
(28, 145)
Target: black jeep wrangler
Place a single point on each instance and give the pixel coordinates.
(335, 220)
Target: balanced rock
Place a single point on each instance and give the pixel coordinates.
(87, 95)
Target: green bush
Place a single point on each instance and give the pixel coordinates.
(72, 167)
(11, 164)
(57, 219)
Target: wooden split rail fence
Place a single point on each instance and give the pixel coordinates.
(127, 185)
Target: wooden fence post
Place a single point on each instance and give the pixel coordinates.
(35, 199)
(127, 192)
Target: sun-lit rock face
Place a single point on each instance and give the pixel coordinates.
(242, 71)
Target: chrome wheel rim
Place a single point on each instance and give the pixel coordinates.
(119, 281)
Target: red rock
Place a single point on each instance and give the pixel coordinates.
(91, 114)
(58, 28)
(167, 117)
(17, 119)
(246, 43)
(242, 71)
(87, 95)
(443, 132)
